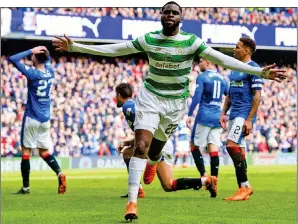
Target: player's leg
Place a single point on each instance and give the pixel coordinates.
(137, 165)
(44, 143)
(146, 122)
(25, 170)
(28, 141)
(154, 156)
(213, 149)
(165, 175)
(234, 144)
(127, 154)
(199, 142)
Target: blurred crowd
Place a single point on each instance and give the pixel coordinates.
(265, 16)
(86, 121)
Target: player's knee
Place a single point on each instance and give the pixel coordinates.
(194, 148)
(141, 149)
(167, 187)
(153, 156)
(26, 151)
(235, 152)
(43, 153)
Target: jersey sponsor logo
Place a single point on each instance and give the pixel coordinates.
(236, 84)
(167, 65)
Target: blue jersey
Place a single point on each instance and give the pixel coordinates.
(38, 104)
(210, 86)
(242, 86)
(129, 112)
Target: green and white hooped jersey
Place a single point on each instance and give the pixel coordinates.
(170, 61)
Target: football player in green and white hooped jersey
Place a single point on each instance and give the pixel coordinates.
(161, 102)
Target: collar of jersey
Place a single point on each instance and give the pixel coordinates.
(170, 37)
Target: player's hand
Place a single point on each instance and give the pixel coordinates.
(39, 50)
(274, 74)
(189, 122)
(62, 44)
(120, 147)
(247, 127)
(223, 121)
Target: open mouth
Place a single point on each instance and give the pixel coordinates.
(169, 22)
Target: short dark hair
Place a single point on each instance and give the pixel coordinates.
(125, 90)
(42, 57)
(247, 41)
(174, 3)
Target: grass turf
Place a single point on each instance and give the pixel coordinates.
(93, 196)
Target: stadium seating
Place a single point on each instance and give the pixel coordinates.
(86, 121)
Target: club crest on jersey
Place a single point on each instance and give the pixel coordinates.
(179, 50)
(139, 115)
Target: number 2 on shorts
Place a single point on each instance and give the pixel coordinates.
(171, 129)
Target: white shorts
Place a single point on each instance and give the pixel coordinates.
(183, 146)
(35, 134)
(157, 114)
(168, 153)
(206, 135)
(235, 131)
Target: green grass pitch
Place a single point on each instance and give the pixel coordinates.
(93, 197)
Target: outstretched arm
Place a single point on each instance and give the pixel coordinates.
(228, 62)
(109, 50)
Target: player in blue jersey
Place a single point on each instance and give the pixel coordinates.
(243, 101)
(210, 87)
(164, 166)
(35, 131)
(124, 99)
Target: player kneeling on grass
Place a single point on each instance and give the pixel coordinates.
(164, 166)
(35, 131)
